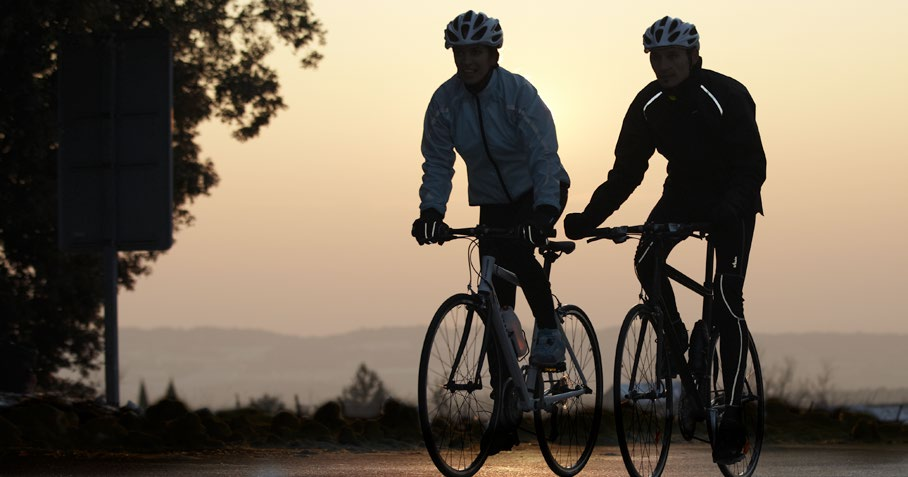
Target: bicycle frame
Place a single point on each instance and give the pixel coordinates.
(705, 290)
(525, 388)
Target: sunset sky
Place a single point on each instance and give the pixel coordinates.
(309, 231)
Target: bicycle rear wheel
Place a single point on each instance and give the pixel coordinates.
(568, 432)
(643, 400)
(753, 409)
(456, 409)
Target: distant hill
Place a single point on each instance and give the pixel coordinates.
(214, 367)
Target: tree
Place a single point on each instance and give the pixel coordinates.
(143, 396)
(51, 301)
(171, 393)
(365, 396)
(267, 403)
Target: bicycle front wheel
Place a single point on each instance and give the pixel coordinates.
(642, 398)
(456, 409)
(568, 431)
(753, 406)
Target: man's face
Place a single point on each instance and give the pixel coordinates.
(473, 62)
(671, 65)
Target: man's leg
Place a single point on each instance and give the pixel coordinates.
(519, 257)
(646, 264)
(733, 241)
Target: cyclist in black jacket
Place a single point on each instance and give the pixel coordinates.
(704, 124)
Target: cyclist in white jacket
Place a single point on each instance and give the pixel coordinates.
(496, 121)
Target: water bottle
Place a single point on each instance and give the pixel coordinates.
(515, 331)
(699, 348)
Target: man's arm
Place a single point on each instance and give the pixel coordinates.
(537, 128)
(632, 153)
(746, 153)
(438, 164)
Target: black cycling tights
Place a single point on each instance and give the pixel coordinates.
(732, 241)
(519, 257)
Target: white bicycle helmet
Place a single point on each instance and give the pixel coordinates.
(670, 32)
(473, 28)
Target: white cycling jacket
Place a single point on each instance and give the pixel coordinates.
(518, 130)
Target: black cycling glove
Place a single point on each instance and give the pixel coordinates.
(541, 225)
(429, 227)
(577, 227)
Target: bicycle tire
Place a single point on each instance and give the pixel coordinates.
(568, 433)
(456, 411)
(754, 409)
(642, 400)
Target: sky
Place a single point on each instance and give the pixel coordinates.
(308, 232)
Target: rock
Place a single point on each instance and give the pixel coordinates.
(104, 431)
(214, 426)
(131, 421)
(316, 431)
(187, 431)
(865, 430)
(10, 435)
(166, 410)
(285, 424)
(400, 421)
(372, 430)
(42, 424)
(347, 436)
(144, 442)
(329, 415)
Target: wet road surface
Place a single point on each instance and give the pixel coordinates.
(685, 460)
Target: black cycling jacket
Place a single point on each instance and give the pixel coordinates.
(706, 128)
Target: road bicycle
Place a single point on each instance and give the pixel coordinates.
(462, 400)
(643, 392)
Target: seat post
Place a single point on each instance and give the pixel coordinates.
(709, 282)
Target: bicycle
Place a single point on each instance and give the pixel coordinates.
(643, 392)
(460, 406)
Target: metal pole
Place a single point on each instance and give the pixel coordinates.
(111, 347)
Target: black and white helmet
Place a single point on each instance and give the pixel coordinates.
(473, 28)
(670, 32)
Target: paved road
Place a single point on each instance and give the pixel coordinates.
(685, 460)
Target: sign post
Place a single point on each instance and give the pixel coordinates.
(115, 162)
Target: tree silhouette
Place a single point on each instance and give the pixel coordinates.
(171, 393)
(365, 394)
(267, 403)
(50, 301)
(143, 396)
(300, 411)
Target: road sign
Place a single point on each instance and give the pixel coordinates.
(115, 162)
(115, 159)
